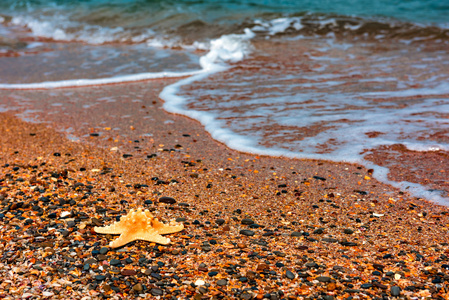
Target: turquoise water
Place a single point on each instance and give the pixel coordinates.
(137, 13)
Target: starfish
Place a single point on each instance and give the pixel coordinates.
(139, 225)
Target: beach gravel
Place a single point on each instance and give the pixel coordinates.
(254, 227)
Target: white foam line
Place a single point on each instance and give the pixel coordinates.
(97, 81)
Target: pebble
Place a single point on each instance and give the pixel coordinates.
(128, 272)
(115, 262)
(206, 248)
(246, 296)
(222, 282)
(289, 274)
(247, 232)
(296, 234)
(395, 291)
(104, 250)
(366, 285)
(323, 279)
(100, 277)
(220, 221)
(247, 222)
(348, 231)
(200, 282)
(138, 287)
(156, 292)
(167, 200)
(64, 232)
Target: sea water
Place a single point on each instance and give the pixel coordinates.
(346, 81)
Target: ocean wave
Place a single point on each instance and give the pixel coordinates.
(181, 30)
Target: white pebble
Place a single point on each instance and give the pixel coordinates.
(64, 214)
(199, 282)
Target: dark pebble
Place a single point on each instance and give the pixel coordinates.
(289, 275)
(156, 292)
(437, 279)
(247, 232)
(318, 231)
(148, 202)
(378, 267)
(114, 262)
(395, 291)
(323, 279)
(329, 240)
(212, 274)
(168, 200)
(348, 231)
(296, 234)
(104, 250)
(311, 265)
(366, 285)
(220, 221)
(100, 277)
(64, 232)
(247, 222)
(180, 219)
(52, 216)
(348, 244)
(243, 279)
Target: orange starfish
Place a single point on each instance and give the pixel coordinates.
(139, 225)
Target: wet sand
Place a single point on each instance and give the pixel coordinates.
(255, 226)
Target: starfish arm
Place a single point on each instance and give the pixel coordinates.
(115, 228)
(133, 235)
(161, 228)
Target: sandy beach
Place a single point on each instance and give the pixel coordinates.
(255, 227)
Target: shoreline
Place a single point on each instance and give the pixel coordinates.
(318, 228)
